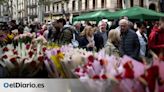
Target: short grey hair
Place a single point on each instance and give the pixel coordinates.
(124, 21)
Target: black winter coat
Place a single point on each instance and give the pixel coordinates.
(129, 44)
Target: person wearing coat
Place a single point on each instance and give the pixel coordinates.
(111, 47)
(142, 38)
(129, 44)
(156, 39)
(87, 40)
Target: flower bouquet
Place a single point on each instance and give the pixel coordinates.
(24, 60)
(110, 73)
(5, 38)
(59, 60)
(23, 38)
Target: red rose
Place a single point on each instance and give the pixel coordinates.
(101, 62)
(118, 77)
(4, 56)
(13, 60)
(104, 77)
(15, 52)
(34, 49)
(28, 46)
(77, 70)
(41, 58)
(5, 49)
(91, 58)
(129, 73)
(89, 64)
(151, 76)
(84, 71)
(128, 65)
(44, 49)
(96, 77)
(85, 66)
(58, 51)
(33, 64)
(30, 54)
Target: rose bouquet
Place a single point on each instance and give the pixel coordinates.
(25, 59)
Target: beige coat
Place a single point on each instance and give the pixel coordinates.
(110, 49)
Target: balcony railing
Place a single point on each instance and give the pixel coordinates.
(32, 6)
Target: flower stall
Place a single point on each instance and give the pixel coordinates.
(29, 54)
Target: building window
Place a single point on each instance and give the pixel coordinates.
(67, 4)
(103, 3)
(86, 4)
(48, 7)
(80, 4)
(73, 5)
(131, 3)
(57, 7)
(45, 8)
(141, 2)
(53, 7)
(94, 4)
(119, 4)
(152, 6)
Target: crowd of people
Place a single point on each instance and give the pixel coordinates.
(124, 38)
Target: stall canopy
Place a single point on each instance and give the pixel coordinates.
(136, 12)
(92, 16)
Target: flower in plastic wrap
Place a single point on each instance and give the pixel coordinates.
(24, 60)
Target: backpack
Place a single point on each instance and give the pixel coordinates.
(66, 35)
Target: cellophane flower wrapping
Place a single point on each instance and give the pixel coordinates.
(24, 59)
(96, 70)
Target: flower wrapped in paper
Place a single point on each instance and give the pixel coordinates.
(122, 73)
(24, 60)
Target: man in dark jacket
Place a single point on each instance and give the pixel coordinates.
(66, 32)
(129, 44)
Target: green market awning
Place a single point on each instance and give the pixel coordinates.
(92, 16)
(136, 13)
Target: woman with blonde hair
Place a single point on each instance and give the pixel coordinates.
(87, 38)
(111, 47)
